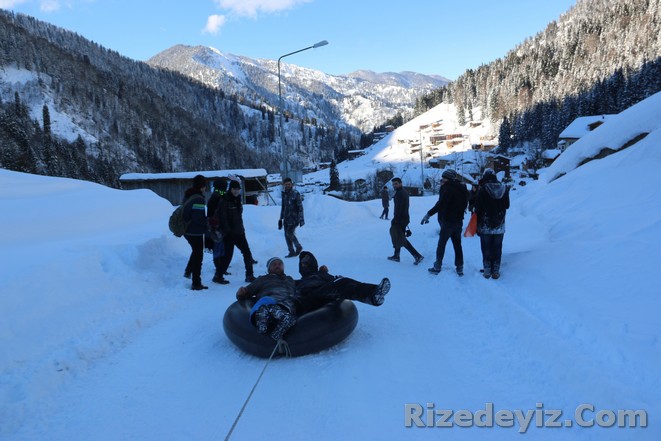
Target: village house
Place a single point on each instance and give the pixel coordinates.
(580, 127)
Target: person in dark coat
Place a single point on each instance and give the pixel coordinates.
(385, 201)
(491, 205)
(195, 217)
(472, 196)
(451, 205)
(230, 222)
(317, 286)
(274, 300)
(400, 221)
(291, 216)
(216, 247)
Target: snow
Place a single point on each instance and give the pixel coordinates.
(102, 339)
(246, 173)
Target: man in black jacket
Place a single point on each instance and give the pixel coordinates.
(400, 221)
(492, 202)
(451, 205)
(230, 222)
(291, 216)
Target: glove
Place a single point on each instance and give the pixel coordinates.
(301, 223)
(242, 293)
(280, 224)
(425, 220)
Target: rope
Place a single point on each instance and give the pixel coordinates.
(282, 347)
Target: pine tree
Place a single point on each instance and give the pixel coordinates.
(334, 177)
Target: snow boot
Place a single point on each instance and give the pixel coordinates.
(460, 270)
(199, 287)
(394, 257)
(220, 280)
(380, 292)
(418, 259)
(284, 321)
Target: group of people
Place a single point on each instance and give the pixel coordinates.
(218, 225)
(489, 201)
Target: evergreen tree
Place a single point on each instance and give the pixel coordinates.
(334, 177)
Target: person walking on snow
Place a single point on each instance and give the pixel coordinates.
(291, 216)
(400, 221)
(451, 205)
(230, 221)
(196, 219)
(385, 201)
(491, 204)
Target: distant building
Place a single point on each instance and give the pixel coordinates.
(499, 163)
(172, 186)
(580, 127)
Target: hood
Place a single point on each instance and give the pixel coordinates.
(307, 263)
(495, 189)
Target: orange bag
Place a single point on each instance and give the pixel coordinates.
(471, 229)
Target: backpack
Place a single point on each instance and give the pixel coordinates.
(177, 224)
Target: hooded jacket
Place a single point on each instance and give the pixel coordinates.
(311, 277)
(491, 204)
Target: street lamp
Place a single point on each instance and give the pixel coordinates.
(285, 163)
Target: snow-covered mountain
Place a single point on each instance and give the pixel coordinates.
(362, 99)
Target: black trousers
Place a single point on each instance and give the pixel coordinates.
(196, 256)
(339, 289)
(450, 230)
(399, 240)
(240, 241)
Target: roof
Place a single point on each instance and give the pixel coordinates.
(246, 173)
(581, 126)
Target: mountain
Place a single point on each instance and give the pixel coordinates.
(362, 100)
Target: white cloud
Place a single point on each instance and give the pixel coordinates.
(214, 23)
(250, 8)
(49, 5)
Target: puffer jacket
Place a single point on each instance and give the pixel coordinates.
(491, 204)
(291, 212)
(281, 288)
(195, 213)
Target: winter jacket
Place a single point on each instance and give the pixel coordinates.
(311, 277)
(493, 199)
(280, 288)
(452, 201)
(401, 201)
(291, 212)
(230, 215)
(385, 198)
(195, 213)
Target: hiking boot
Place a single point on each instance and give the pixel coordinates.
(487, 273)
(418, 260)
(285, 321)
(220, 280)
(250, 278)
(199, 287)
(380, 293)
(495, 275)
(292, 254)
(434, 269)
(460, 270)
(262, 317)
(188, 274)
(394, 258)
(298, 250)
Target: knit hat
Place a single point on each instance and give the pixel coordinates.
(220, 184)
(199, 181)
(307, 263)
(235, 184)
(488, 171)
(271, 260)
(450, 174)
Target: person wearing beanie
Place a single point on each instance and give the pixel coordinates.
(399, 223)
(291, 216)
(491, 205)
(451, 205)
(195, 217)
(229, 217)
(273, 298)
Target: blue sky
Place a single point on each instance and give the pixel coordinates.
(428, 36)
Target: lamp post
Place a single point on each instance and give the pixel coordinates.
(285, 163)
(422, 166)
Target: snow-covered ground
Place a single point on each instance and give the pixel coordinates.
(102, 339)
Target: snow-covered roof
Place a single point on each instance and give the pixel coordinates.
(246, 173)
(581, 126)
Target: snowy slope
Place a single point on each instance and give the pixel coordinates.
(103, 340)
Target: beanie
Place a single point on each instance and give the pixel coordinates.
(271, 260)
(488, 171)
(220, 184)
(235, 184)
(199, 181)
(450, 174)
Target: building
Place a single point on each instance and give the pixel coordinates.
(171, 186)
(580, 127)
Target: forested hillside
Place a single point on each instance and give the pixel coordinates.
(600, 57)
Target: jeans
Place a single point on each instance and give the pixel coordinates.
(492, 250)
(452, 231)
